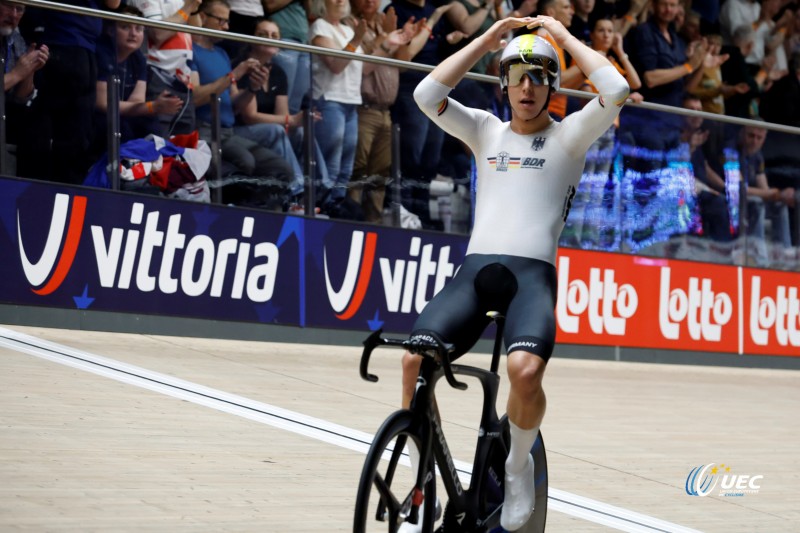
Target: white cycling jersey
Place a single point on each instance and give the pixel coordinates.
(525, 182)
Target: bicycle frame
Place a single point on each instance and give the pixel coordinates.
(463, 505)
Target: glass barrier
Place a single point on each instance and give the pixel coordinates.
(655, 184)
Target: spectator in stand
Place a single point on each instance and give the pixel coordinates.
(496, 102)
(709, 186)
(56, 142)
(594, 198)
(768, 39)
(337, 93)
(712, 92)
(245, 14)
(420, 139)
(737, 13)
(650, 139)
(792, 44)
(582, 20)
(626, 14)
(781, 103)
(711, 89)
(169, 56)
(292, 19)
(379, 85)
(735, 72)
(689, 30)
(267, 114)
(667, 67)
(709, 15)
(118, 52)
(21, 64)
(571, 76)
(763, 200)
(469, 19)
(261, 176)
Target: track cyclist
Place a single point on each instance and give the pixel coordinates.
(528, 171)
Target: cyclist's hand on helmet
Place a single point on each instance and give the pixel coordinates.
(495, 36)
(557, 30)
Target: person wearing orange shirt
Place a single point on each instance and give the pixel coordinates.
(571, 78)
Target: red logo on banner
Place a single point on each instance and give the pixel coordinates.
(606, 304)
(694, 304)
(348, 299)
(772, 311)
(47, 268)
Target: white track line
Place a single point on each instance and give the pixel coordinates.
(561, 501)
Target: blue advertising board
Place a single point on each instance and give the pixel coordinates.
(82, 248)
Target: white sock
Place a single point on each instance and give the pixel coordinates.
(414, 455)
(521, 443)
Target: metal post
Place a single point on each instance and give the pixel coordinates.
(397, 176)
(216, 149)
(3, 147)
(310, 170)
(744, 220)
(113, 137)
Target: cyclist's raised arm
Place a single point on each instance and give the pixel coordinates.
(450, 71)
(580, 129)
(431, 94)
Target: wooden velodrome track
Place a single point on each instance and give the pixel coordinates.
(128, 432)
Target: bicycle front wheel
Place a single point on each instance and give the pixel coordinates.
(385, 490)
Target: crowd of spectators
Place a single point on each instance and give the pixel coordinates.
(739, 58)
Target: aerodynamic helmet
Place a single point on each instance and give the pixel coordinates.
(533, 56)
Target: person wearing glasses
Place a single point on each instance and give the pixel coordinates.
(528, 170)
(252, 174)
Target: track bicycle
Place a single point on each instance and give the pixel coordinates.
(388, 496)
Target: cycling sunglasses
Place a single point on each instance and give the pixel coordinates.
(537, 73)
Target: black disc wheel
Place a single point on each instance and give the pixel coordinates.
(491, 490)
(386, 487)
(539, 518)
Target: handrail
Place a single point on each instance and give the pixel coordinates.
(378, 60)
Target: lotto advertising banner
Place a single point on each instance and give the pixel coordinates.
(614, 299)
(70, 247)
(772, 318)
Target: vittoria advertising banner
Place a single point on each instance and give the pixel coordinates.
(79, 248)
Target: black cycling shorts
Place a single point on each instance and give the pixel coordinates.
(522, 289)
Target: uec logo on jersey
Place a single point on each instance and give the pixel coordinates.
(348, 299)
(56, 260)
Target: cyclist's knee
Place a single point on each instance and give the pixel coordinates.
(525, 372)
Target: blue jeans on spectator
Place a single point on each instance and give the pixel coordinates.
(337, 135)
(297, 66)
(420, 150)
(757, 212)
(273, 136)
(297, 138)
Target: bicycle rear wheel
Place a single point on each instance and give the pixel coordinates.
(383, 501)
